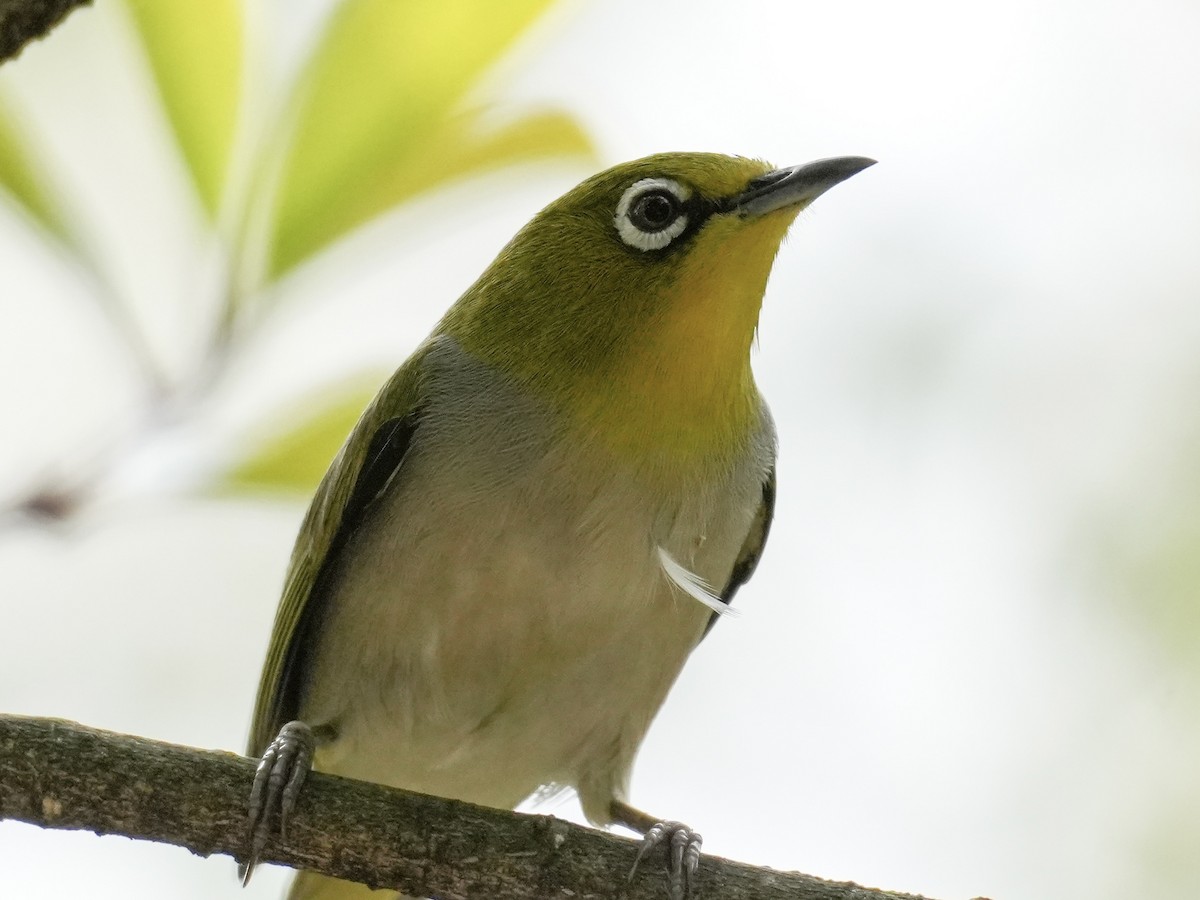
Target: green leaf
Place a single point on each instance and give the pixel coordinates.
(195, 52)
(1162, 577)
(294, 457)
(376, 111)
(456, 151)
(21, 179)
(536, 136)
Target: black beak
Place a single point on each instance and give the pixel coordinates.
(797, 185)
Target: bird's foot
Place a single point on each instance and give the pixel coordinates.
(277, 781)
(683, 855)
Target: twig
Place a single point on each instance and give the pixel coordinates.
(22, 21)
(58, 774)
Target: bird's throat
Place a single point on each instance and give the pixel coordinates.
(683, 392)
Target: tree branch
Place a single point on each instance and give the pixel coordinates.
(58, 774)
(22, 21)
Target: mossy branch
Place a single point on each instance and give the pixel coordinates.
(22, 21)
(59, 774)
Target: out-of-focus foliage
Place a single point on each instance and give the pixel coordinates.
(1170, 579)
(296, 452)
(463, 146)
(377, 120)
(195, 52)
(20, 178)
(382, 110)
(1148, 555)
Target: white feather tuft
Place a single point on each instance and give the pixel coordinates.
(693, 585)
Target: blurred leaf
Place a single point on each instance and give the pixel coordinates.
(195, 53)
(454, 152)
(537, 135)
(1163, 581)
(20, 177)
(292, 460)
(377, 99)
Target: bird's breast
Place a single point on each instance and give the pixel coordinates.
(504, 610)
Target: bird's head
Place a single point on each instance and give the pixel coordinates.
(630, 303)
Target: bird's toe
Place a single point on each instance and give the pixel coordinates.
(277, 782)
(683, 855)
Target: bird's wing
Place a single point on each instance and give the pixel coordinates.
(362, 470)
(752, 547)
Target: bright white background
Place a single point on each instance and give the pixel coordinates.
(969, 662)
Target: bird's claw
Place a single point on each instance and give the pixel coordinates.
(683, 855)
(277, 781)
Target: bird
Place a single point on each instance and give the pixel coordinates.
(542, 512)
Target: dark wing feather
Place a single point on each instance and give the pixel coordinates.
(344, 499)
(752, 548)
(385, 456)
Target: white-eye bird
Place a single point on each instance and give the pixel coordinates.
(543, 510)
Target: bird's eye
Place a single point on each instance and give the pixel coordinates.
(652, 213)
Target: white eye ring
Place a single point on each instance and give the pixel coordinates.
(641, 238)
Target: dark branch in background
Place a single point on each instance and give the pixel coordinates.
(58, 774)
(22, 21)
